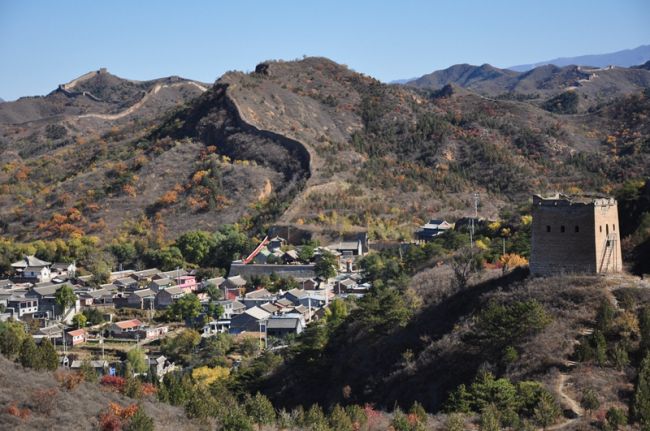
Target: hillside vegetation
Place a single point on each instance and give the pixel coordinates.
(36, 400)
(308, 143)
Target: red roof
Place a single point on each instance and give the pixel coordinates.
(77, 332)
(127, 324)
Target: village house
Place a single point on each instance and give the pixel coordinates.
(45, 294)
(100, 366)
(167, 297)
(231, 308)
(271, 308)
(159, 284)
(142, 299)
(187, 283)
(263, 256)
(309, 284)
(63, 271)
(313, 299)
(116, 275)
(146, 275)
(95, 297)
(284, 304)
(75, 337)
(218, 326)
(22, 306)
(126, 328)
(290, 256)
(353, 248)
(276, 243)
(432, 229)
(6, 285)
(37, 273)
(257, 297)
(83, 280)
(52, 332)
(152, 332)
(282, 326)
(160, 366)
(233, 286)
(31, 268)
(216, 282)
(127, 283)
(175, 274)
(252, 320)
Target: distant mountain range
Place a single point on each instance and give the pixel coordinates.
(593, 85)
(624, 58)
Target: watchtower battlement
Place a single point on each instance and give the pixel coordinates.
(575, 234)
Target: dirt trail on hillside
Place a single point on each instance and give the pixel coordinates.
(567, 401)
(130, 110)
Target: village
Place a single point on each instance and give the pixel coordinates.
(123, 311)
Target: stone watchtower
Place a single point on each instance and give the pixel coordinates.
(575, 235)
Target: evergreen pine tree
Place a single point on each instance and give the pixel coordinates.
(260, 410)
(547, 410)
(641, 399)
(140, 421)
(339, 420)
(48, 358)
(29, 356)
(490, 419)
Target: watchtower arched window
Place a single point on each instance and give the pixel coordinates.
(614, 227)
(607, 229)
(577, 228)
(548, 228)
(562, 229)
(601, 228)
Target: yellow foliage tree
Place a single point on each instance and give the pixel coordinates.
(482, 244)
(494, 226)
(207, 375)
(526, 219)
(510, 261)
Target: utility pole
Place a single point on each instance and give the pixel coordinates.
(471, 229)
(309, 299)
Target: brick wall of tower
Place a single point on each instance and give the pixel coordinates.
(608, 254)
(575, 236)
(569, 246)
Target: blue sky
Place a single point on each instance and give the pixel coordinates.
(45, 43)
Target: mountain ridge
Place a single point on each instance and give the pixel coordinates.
(539, 85)
(622, 58)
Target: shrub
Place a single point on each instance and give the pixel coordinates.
(616, 418)
(44, 399)
(13, 410)
(114, 382)
(68, 379)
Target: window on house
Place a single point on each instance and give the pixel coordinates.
(548, 228)
(577, 229)
(607, 229)
(562, 229)
(601, 228)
